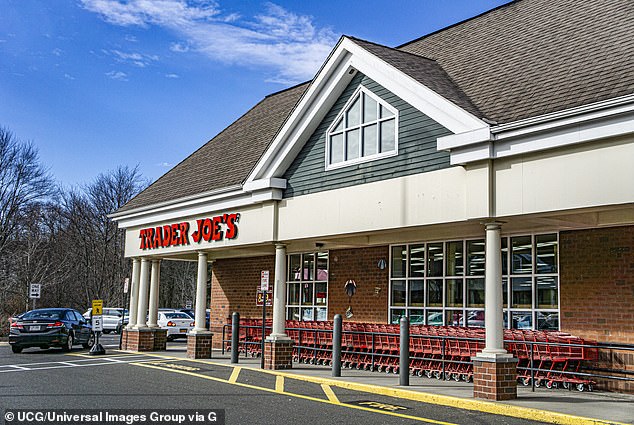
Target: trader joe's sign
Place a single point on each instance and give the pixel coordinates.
(178, 234)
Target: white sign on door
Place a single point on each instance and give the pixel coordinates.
(264, 280)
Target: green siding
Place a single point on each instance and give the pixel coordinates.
(417, 134)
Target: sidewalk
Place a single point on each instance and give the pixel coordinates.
(567, 406)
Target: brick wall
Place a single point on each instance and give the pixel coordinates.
(233, 288)
(361, 266)
(597, 283)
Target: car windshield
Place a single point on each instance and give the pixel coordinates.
(43, 314)
(176, 316)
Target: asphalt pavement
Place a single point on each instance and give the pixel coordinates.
(52, 379)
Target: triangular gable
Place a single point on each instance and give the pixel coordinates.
(348, 58)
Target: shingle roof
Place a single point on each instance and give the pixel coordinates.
(426, 71)
(523, 59)
(227, 159)
(532, 57)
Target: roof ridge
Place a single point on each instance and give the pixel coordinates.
(396, 49)
(287, 89)
(456, 24)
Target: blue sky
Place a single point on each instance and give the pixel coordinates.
(95, 84)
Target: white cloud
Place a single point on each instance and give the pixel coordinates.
(284, 42)
(57, 52)
(172, 76)
(137, 59)
(117, 75)
(179, 47)
(69, 77)
(165, 165)
(131, 38)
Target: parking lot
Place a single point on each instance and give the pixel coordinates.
(48, 379)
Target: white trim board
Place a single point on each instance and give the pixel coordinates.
(346, 59)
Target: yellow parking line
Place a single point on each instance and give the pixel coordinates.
(437, 399)
(319, 400)
(279, 384)
(234, 375)
(330, 393)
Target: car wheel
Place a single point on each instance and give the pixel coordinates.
(69, 343)
(16, 349)
(90, 342)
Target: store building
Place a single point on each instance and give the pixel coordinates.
(478, 176)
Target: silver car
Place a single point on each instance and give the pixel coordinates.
(112, 319)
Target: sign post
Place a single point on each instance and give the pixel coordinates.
(264, 287)
(97, 326)
(34, 292)
(126, 286)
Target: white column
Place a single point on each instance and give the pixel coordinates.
(154, 294)
(493, 306)
(134, 293)
(201, 294)
(144, 283)
(279, 295)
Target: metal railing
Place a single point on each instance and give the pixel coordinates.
(535, 367)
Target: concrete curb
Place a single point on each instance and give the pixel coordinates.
(496, 408)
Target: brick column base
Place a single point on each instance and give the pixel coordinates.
(495, 378)
(160, 339)
(124, 339)
(278, 354)
(139, 339)
(199, 345)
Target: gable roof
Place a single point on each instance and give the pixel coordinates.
(523, 59)
(227, 158)
(425, 71)
(532, 57)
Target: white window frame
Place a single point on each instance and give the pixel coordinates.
(313, 282)
(508, 311)
(360, 126)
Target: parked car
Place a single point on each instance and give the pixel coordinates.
(50, 327)
(112, 319)
(176, 323)
(14, 318)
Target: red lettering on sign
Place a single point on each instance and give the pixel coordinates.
(216, 232)
(208, 229)
(232, 228)
(167, 236)
(183, 240)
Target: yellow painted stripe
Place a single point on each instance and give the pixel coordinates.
(81, 355)
(330, 393)
(234, 375)
(279, 384)
(349, 406)
(441, 400)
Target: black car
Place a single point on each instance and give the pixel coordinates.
(50, 327)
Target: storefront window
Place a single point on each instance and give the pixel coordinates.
(417, 293)
(417, 260)
(399, 260)
(475, 292)
(546, 254)
(307, 286)
(435, 259)
(443, 282)
(454, 252)
(398, 293)
(547, 294)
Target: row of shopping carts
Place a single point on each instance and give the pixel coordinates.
(546, 358)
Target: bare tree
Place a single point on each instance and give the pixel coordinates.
(22, 180)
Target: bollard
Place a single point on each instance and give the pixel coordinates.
(235, 336)
(336, 346)
(403, 368)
